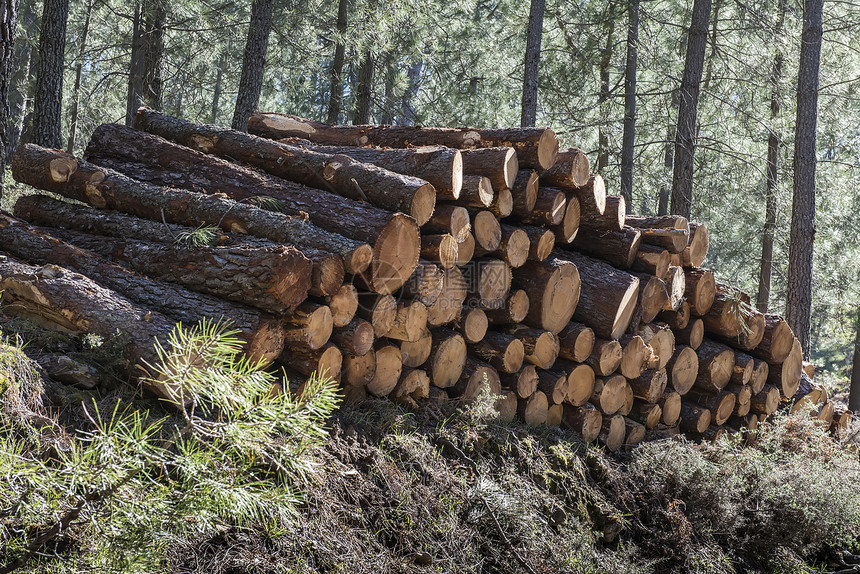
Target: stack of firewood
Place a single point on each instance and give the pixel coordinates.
(407, 262)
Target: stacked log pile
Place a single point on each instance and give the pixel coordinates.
(407, 262)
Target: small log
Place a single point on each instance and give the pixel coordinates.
(425, 284)
(379, 310)
(548, 209)
(743, 369)
(472, 324)
(576, 341)
(486, 229)
(728, 316)
(524, 193)
(447, 357)
(761, 370)
(358, 370)
(605, 357)
(488, 281)
(567, 230)
(670, 405)
(694, 419)
(498, 164)
(553, 287)
(585, 420)
(700, 289)
(477, 191)
(326, 361)
(766, 402)
(677, 319)
(675, 287)
(634, 356)
(523, 383)
(692, 334)
(541, 242)
(475, 376)
(682, 369)
(777, 341)
(554, 415)
(612, 218)
(356, 337)
(613, 432)
(447, 306)
(553, 384)
(673, 240)
(629, 400)
(343, 304)
(502, 351)
(697, 248)
(653, 296)
(507, 407)
(721, 404)
(409, 322)
(648, 414)
(609, 394)
(413, 384)
(389, 366)
(442, 249)
(513, 248)
(649, 386)
(618, 248)
(634, 432)
(309, 324)
(607, 296)
(466, 250)
(592, 195)
(450, 220)
(652, 260)
(514, 310)
(786, 375)
(571, 169)
(541, 347)
(716, 363)
(415, 353)
(661, 339)
(580, 381)
(533, 410)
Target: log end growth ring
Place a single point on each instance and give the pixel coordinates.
(395, 254)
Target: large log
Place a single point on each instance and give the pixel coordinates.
(651, 259)
(338, 174)
(272, 279)
(553, 288)
(447, 357)
(618, 248)
(66, 301)
(536, 147)
(777, 341)
(716, 363)
(328, 271)
(440, 166)
(71, 177)
(264, 335)
(580, 381)
(571, 169)
(607, 296)
(498, 164)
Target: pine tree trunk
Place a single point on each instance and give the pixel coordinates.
(685, 136)
(605, 63)
(135, 67)
(336, 95)
(668, 162)
(153, 54)
(216, 93)
(364, 90)
(773, 144)
(798, 300)
(8, 30)
(47, 106)
(854, 396)
(408, 116)
(20, 81)
(253, 63)
(76, 91)
(532, 63)
(629, 138)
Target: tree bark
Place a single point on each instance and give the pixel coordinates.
(253, 63)
(48, 103)
(152, 87)
(536, 148)
(774, 141)
(336, 95)
(531, 66)
(629, 138)
(79, 68)
(854, 394)
(134, 94)
(364, 89)
(76, 179)
(264, 334)
(216, 92)
(685, 134)
(8, 31)
(798, 298)
(603, 96)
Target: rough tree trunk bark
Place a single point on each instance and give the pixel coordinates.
(364, 89)
(336, 96)
(76, 91)
(253, 63)
(153, 54)
(532, 63)
(135, 67)
(798, 300)
(685, 135)
(8, 28)
(854, 396)
(47, 107)
(629, 137)
(605, 63)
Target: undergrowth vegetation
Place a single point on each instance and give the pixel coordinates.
(241, 480)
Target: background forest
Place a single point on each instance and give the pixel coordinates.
(461, 63)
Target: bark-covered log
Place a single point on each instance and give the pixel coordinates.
(568, 229)
(634, 432)
(66, 301)
(649, 386)
(670, 404)
(697, 248)
(648, 414)
(263, 334)
(449, 219)
(761, 370)
(651, 259)
(507, 406)
(66, 175)
(677, 319)
(586, 420)
(273, 279)
(488, 281)
(617, 248)
(523, 383)
(503, 204)
(674, 240)
(498, 164)
(541, 347)
(777, 341)
(661, 339)
(524, 193)
(328, 271)
(358, 370)
(692, 334)
(607, 296)
(513, 248)
(425, 284)
(536, 147)
(786, 375)
(700, 289)
(310, 324)
(326, 361)
(474, 378)
(609, 394)
(592, 195)
(548, 209)
(580, 381)
(413, 384)
(676, 285)
(553, 384)
(514, 310)
(356, 337)
(743, 369)
(504, 352)
(553, 288)
(571, 169)
(765, 402)
(653, 296)
(605, 357)
(477, 191)
(694, 419)
(576, 341)
(337, 174)
(721, 404)
(612, 219)
(440, 166)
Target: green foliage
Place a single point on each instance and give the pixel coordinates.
(204, 235)
(132, 481)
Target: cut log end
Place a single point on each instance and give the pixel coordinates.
(423, 203)
(343, 305)
(487, 230)
(625, 310)
(547, 149)
(395, 254)
(358, 260)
